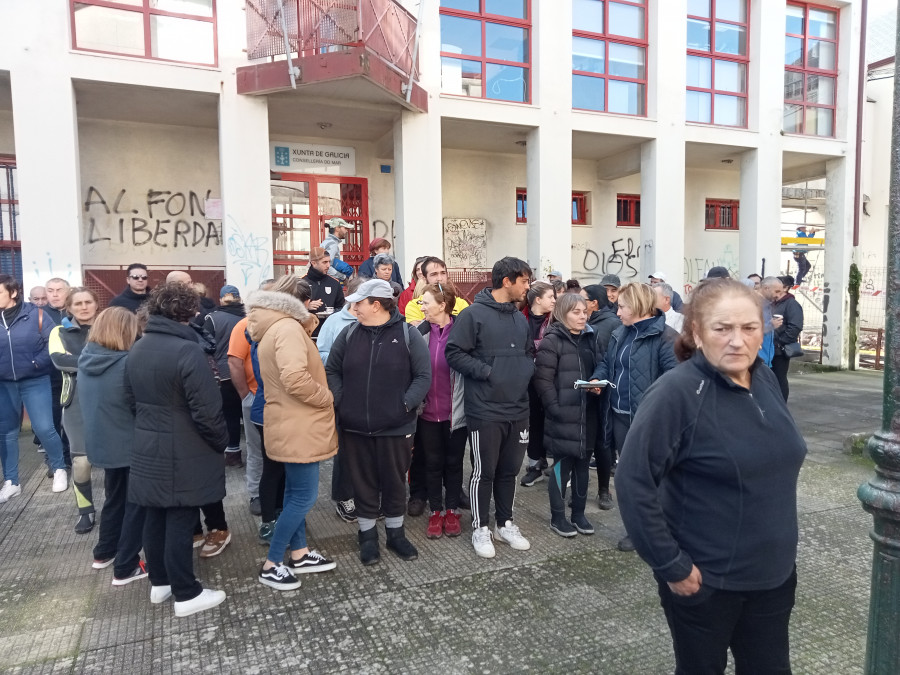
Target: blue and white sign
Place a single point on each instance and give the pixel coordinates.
(332, 160)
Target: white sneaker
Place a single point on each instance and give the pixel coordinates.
(60, 480)
(481, 541)
(159, 594)
(510, 534)
(8, 491)
(207, 599)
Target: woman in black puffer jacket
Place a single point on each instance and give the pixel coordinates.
(568, 353)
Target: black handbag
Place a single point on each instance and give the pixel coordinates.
(793, 350)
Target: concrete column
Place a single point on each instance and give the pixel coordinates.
(839, 176)
(46, 134)
(662, 207)
(760, 211)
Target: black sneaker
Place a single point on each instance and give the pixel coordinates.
(604, 500)
(532, 476)
(346, 510)
(310, 563)
(138, 572)
(255, 507)
(279, 578)
(625, 544)
(563, 527)
(582, 524)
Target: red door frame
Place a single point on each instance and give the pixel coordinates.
(356, 248)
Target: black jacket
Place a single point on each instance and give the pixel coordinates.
(219, 323)
(604, 322)
(129, 299)
(179, 433)
(790, 329)
(490, 344)
(325, 288)
(379, 376)
(570, 414)
(708, 477)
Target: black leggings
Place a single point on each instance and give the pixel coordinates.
(563, 469)
(231, 409)
(271, 483)
(444, 450)
(780, 366)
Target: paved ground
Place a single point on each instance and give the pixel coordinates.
(573, 606)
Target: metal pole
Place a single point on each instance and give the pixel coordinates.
(415, 52)
(880, 496)
(292, 71)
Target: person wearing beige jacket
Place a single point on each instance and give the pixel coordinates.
(299, 428)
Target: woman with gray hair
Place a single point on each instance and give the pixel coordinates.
(384, 265)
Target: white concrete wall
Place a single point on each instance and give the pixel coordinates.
(128, 166)
(708, 248)
(7, 140)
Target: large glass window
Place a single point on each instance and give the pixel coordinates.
(10, 246)
(486, 49)
(609, 56)
(170, 30)
(717, 61)
(810, 69)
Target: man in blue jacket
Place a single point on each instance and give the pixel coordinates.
(490, 346)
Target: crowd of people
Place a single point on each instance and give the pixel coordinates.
(682, 401)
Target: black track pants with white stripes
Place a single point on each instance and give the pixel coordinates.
(498, 449)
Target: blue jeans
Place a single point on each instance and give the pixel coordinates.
(301, 487)
(34, 393)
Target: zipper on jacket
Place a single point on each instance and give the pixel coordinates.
(762, 412)
(12, 358)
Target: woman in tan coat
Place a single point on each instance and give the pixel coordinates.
(299, 420)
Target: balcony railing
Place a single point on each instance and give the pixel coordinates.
(317, 27)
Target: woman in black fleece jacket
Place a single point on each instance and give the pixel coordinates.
(707, 486)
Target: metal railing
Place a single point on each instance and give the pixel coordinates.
(383, 27)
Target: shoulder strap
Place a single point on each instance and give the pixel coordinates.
(40, 320)
(406, 328)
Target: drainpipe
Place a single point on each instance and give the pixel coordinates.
(292, 71)
(861, 100)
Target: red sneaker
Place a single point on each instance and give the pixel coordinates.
(435, 525)
(452, 527)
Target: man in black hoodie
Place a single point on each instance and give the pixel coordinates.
(326, 290)
(136, 292)
(791, 313)
(491, 347)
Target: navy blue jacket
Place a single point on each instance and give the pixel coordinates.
(24, 344)
(367, 269)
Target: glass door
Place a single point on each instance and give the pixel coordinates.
(291, 229)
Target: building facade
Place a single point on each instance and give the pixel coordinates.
(589, 136)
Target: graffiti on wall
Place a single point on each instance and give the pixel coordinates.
(158, 218)
(695, 268)
(250, 253)
(621, 257)
(465, 242)
(49, 270)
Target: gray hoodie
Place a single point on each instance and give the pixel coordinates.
(106, 406)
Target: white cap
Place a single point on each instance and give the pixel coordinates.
(373, 288)
(658, 274)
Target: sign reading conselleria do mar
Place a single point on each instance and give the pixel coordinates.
(333, 160)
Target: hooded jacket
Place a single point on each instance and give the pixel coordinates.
(299, 413)
(708, 477)
(603, 322)
(379, 376)
(106, 406)
(66, 343)
(219, 323)
(570, 414)
(24, 339)
(491, 346)
(179, 430)
(331, 328)
(367, 269)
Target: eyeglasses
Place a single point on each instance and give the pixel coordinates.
(138, 278)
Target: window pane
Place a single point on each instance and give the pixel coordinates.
(626, 61)
(820, 89)
(818, 122)
(626, 97)
(182, 39)
(587, 15)
(793, 118)
(506, 43)
(822, 23)
(109, 30)
(794, 20)
(588, 55)
(820, 55)
(699, 72)
(626, 20)
(698, 8)
(195, 7)
(793, 86)
(729, 110)
(588, 93)
(460, 36)
(793, 51)
(461, 77)
(731, 76)
(513, 8)
(698, 106)
(732, 10)
(698, 35)
(467, 5)
(731, 39)
(506, 83)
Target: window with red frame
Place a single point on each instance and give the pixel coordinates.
(10, 246)
(486, 49)
(628, 211)
(810, 69)
(167, 30)
(722, 214)
(717, 62)
(609, 56)
(579, 207)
